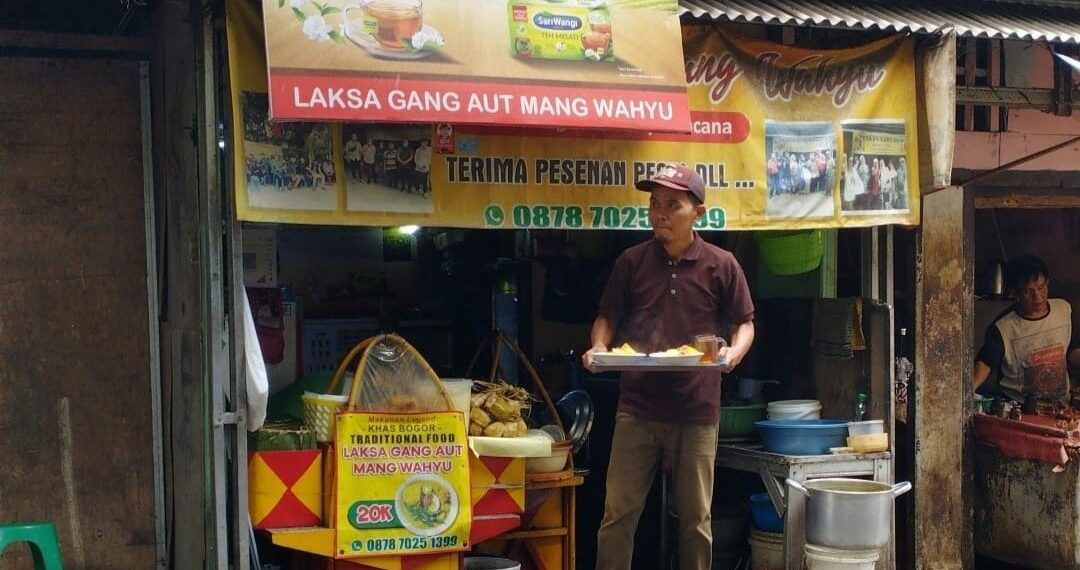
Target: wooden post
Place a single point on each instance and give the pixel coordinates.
(942, 395)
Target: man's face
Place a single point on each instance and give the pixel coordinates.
(672, 214)
(1032, 296)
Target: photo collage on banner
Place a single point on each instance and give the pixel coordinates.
(288, 165)
(875, 169)
(388, 168)
(800, 169)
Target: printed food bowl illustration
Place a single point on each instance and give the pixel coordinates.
(426, 505)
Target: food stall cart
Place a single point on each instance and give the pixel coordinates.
(404, 487)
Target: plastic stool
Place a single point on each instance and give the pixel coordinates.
(41, 537)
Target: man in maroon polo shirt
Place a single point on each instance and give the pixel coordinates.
(662, 294)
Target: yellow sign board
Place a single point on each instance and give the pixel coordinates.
(785, 138)
(402, 484)
(885, 144)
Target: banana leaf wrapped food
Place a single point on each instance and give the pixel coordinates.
(498, 409)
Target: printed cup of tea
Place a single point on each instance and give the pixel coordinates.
(390, 22)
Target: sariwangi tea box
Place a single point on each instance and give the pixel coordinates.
(573, 30)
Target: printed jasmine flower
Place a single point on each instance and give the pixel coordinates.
(298, 4)
(419, 39)
(427, 35)
(316, 28)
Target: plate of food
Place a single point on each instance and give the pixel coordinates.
(620, 356)
(426, 505)
(684, 355)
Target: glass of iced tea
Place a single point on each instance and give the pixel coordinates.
(391, 21)
(709, 345)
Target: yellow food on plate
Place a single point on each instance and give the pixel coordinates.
(625, 349)
(684, 350)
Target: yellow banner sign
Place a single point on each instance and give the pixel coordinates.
(865, 142)
(402, 484)
(784, 137)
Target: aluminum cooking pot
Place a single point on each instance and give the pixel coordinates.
(849, 513)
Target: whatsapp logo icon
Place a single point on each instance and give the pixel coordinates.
(493, 216)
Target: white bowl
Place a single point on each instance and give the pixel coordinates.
(556, 462)
(429, 480)
(555, 432)
(617, 359)
(540, 433)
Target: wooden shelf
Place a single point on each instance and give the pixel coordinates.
(536, 533)
(568, 482)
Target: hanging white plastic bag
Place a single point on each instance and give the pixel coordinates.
(258, 386)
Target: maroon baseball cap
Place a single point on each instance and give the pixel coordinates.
(677, 176)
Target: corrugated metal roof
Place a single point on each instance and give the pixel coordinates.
(969, 19)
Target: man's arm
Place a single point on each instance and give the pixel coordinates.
(603, 332)
(982, 372)
(990, 355)
(741, 341)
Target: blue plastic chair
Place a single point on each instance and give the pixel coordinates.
(41, 536)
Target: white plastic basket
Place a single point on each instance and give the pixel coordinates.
(327, 341)
(319, 410)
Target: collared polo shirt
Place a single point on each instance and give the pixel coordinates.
(656, 303)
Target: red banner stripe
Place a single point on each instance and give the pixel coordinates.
(303, 97)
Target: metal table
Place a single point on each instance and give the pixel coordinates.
(773, 466)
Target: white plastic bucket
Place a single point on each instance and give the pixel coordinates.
(822, 558)
(766, 550)
(490, 563)
(794, 410)
(460, 390)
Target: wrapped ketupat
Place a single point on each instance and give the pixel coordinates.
(502, 409)
(479, 417)
(496, 410)
(496, 429)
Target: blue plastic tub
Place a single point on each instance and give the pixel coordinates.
(802, 437)
(764, 514)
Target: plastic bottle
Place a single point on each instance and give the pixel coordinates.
(862, 407)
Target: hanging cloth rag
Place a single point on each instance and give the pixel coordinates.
(258, 385)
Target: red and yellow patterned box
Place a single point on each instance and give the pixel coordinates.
(285, 488)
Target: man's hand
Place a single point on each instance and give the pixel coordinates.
(741, 341)
(587, 358)
(729, 358)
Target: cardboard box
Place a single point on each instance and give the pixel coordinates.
(260, 258)
(574, 30)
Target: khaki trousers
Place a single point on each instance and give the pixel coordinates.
(637, 450)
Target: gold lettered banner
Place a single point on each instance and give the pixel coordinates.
(881, 144)
(402, 484)
(571, 63)
(785, 138)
